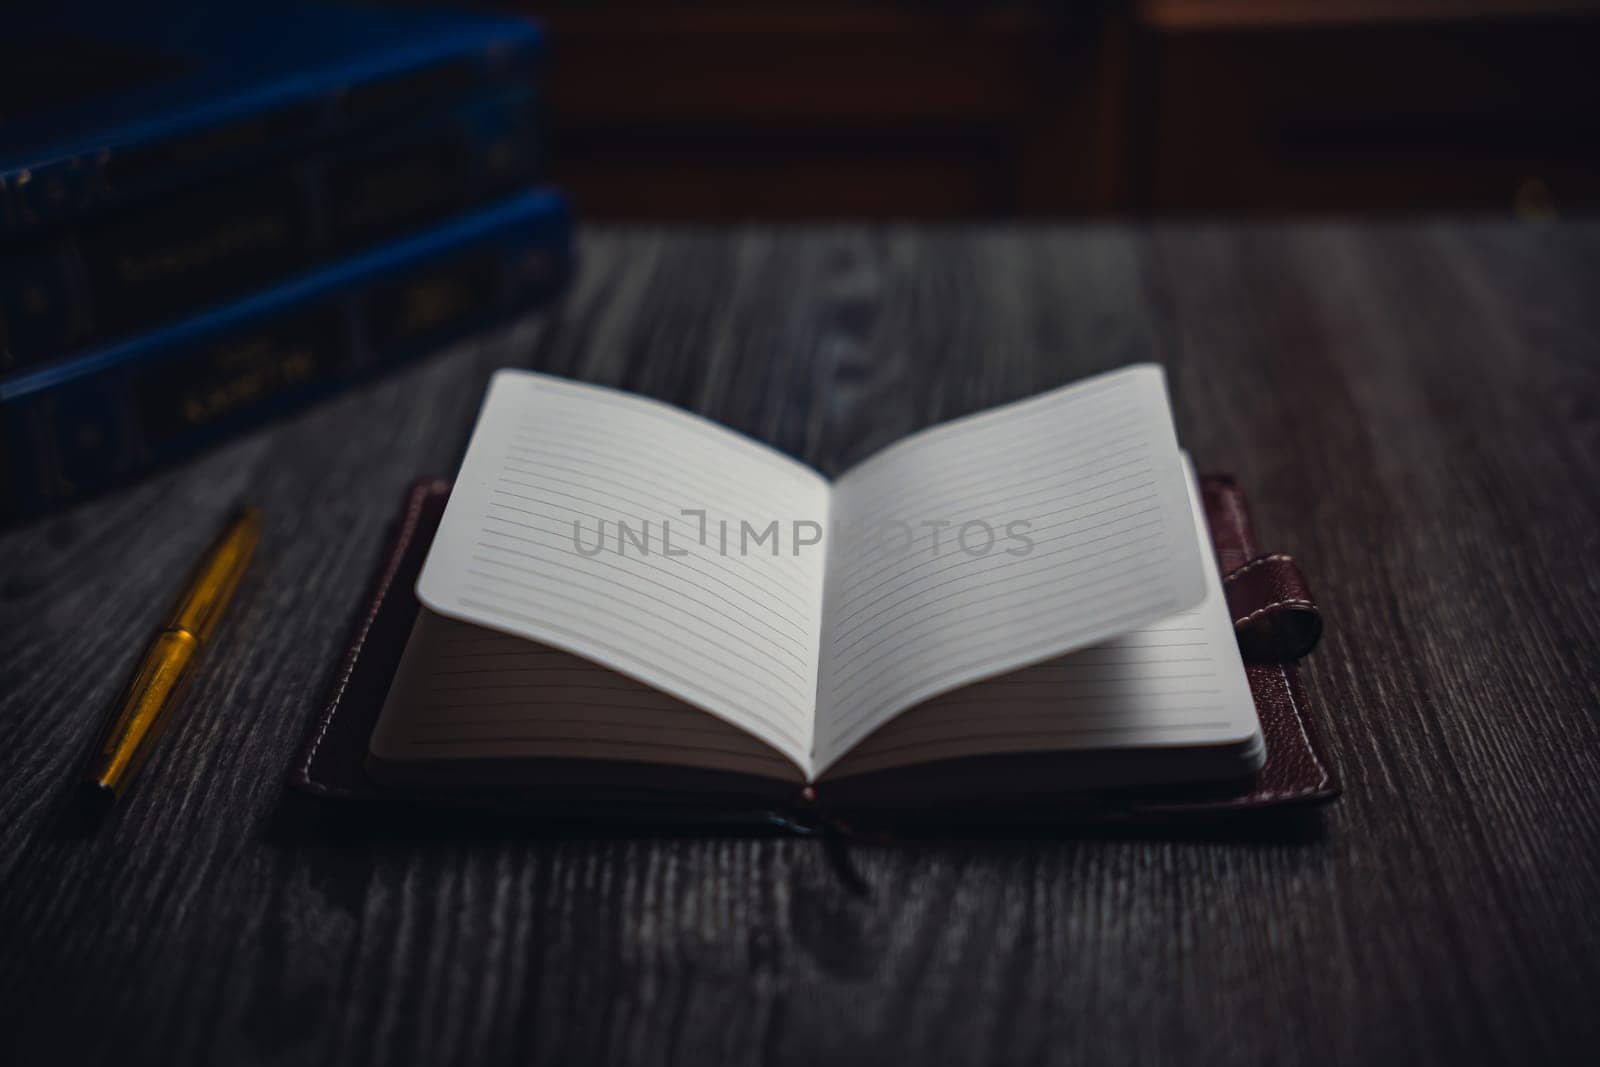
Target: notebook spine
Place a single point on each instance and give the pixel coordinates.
(141, 267)
(168, 151)
(114, 412)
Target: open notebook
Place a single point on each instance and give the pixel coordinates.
(622, 594)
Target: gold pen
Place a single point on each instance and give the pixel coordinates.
(157, 686)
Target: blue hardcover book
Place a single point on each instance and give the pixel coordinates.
(103, 415)
(134, 268)
(103, 102)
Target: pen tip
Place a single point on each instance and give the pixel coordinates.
(96, 798)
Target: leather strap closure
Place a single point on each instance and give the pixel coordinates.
(1273, 612)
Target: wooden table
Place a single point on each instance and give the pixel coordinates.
(1416, 410)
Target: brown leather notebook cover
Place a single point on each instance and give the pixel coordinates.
(1274, 615)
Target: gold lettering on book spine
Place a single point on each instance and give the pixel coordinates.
(233, 237)
(243, 374)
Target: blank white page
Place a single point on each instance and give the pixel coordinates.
(731, 626)
(1108, 545)
(1175, 683)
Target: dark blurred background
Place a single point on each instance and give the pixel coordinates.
(212, 214)
(715, 110)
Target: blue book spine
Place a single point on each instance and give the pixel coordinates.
(194, 91)
(131, 270)
(73, 427)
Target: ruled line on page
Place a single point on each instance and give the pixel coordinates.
(1042, 516)
(559, 728)
(1178, 681)
(1096, 486)
(1016, 498)
(1113, 454)
(933, 671)
(602, 717)
(625, 457)
(762, 660)
(866, 650)
(765, 600)
(584, 746)
(753, 689)
(733, 632)
(525, 700)
(1006, 420)
(935, 581)
(791, 591)
(758, 626)
(533, 461)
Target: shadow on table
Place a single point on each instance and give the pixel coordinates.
(340, 833)
(304, 820)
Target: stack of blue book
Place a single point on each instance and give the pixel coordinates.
(210, 215)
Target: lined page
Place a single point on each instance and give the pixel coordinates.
(1000, 540)
(464, 692)
(1178, 682)
(567, 527)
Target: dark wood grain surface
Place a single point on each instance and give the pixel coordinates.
(1416, 412)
